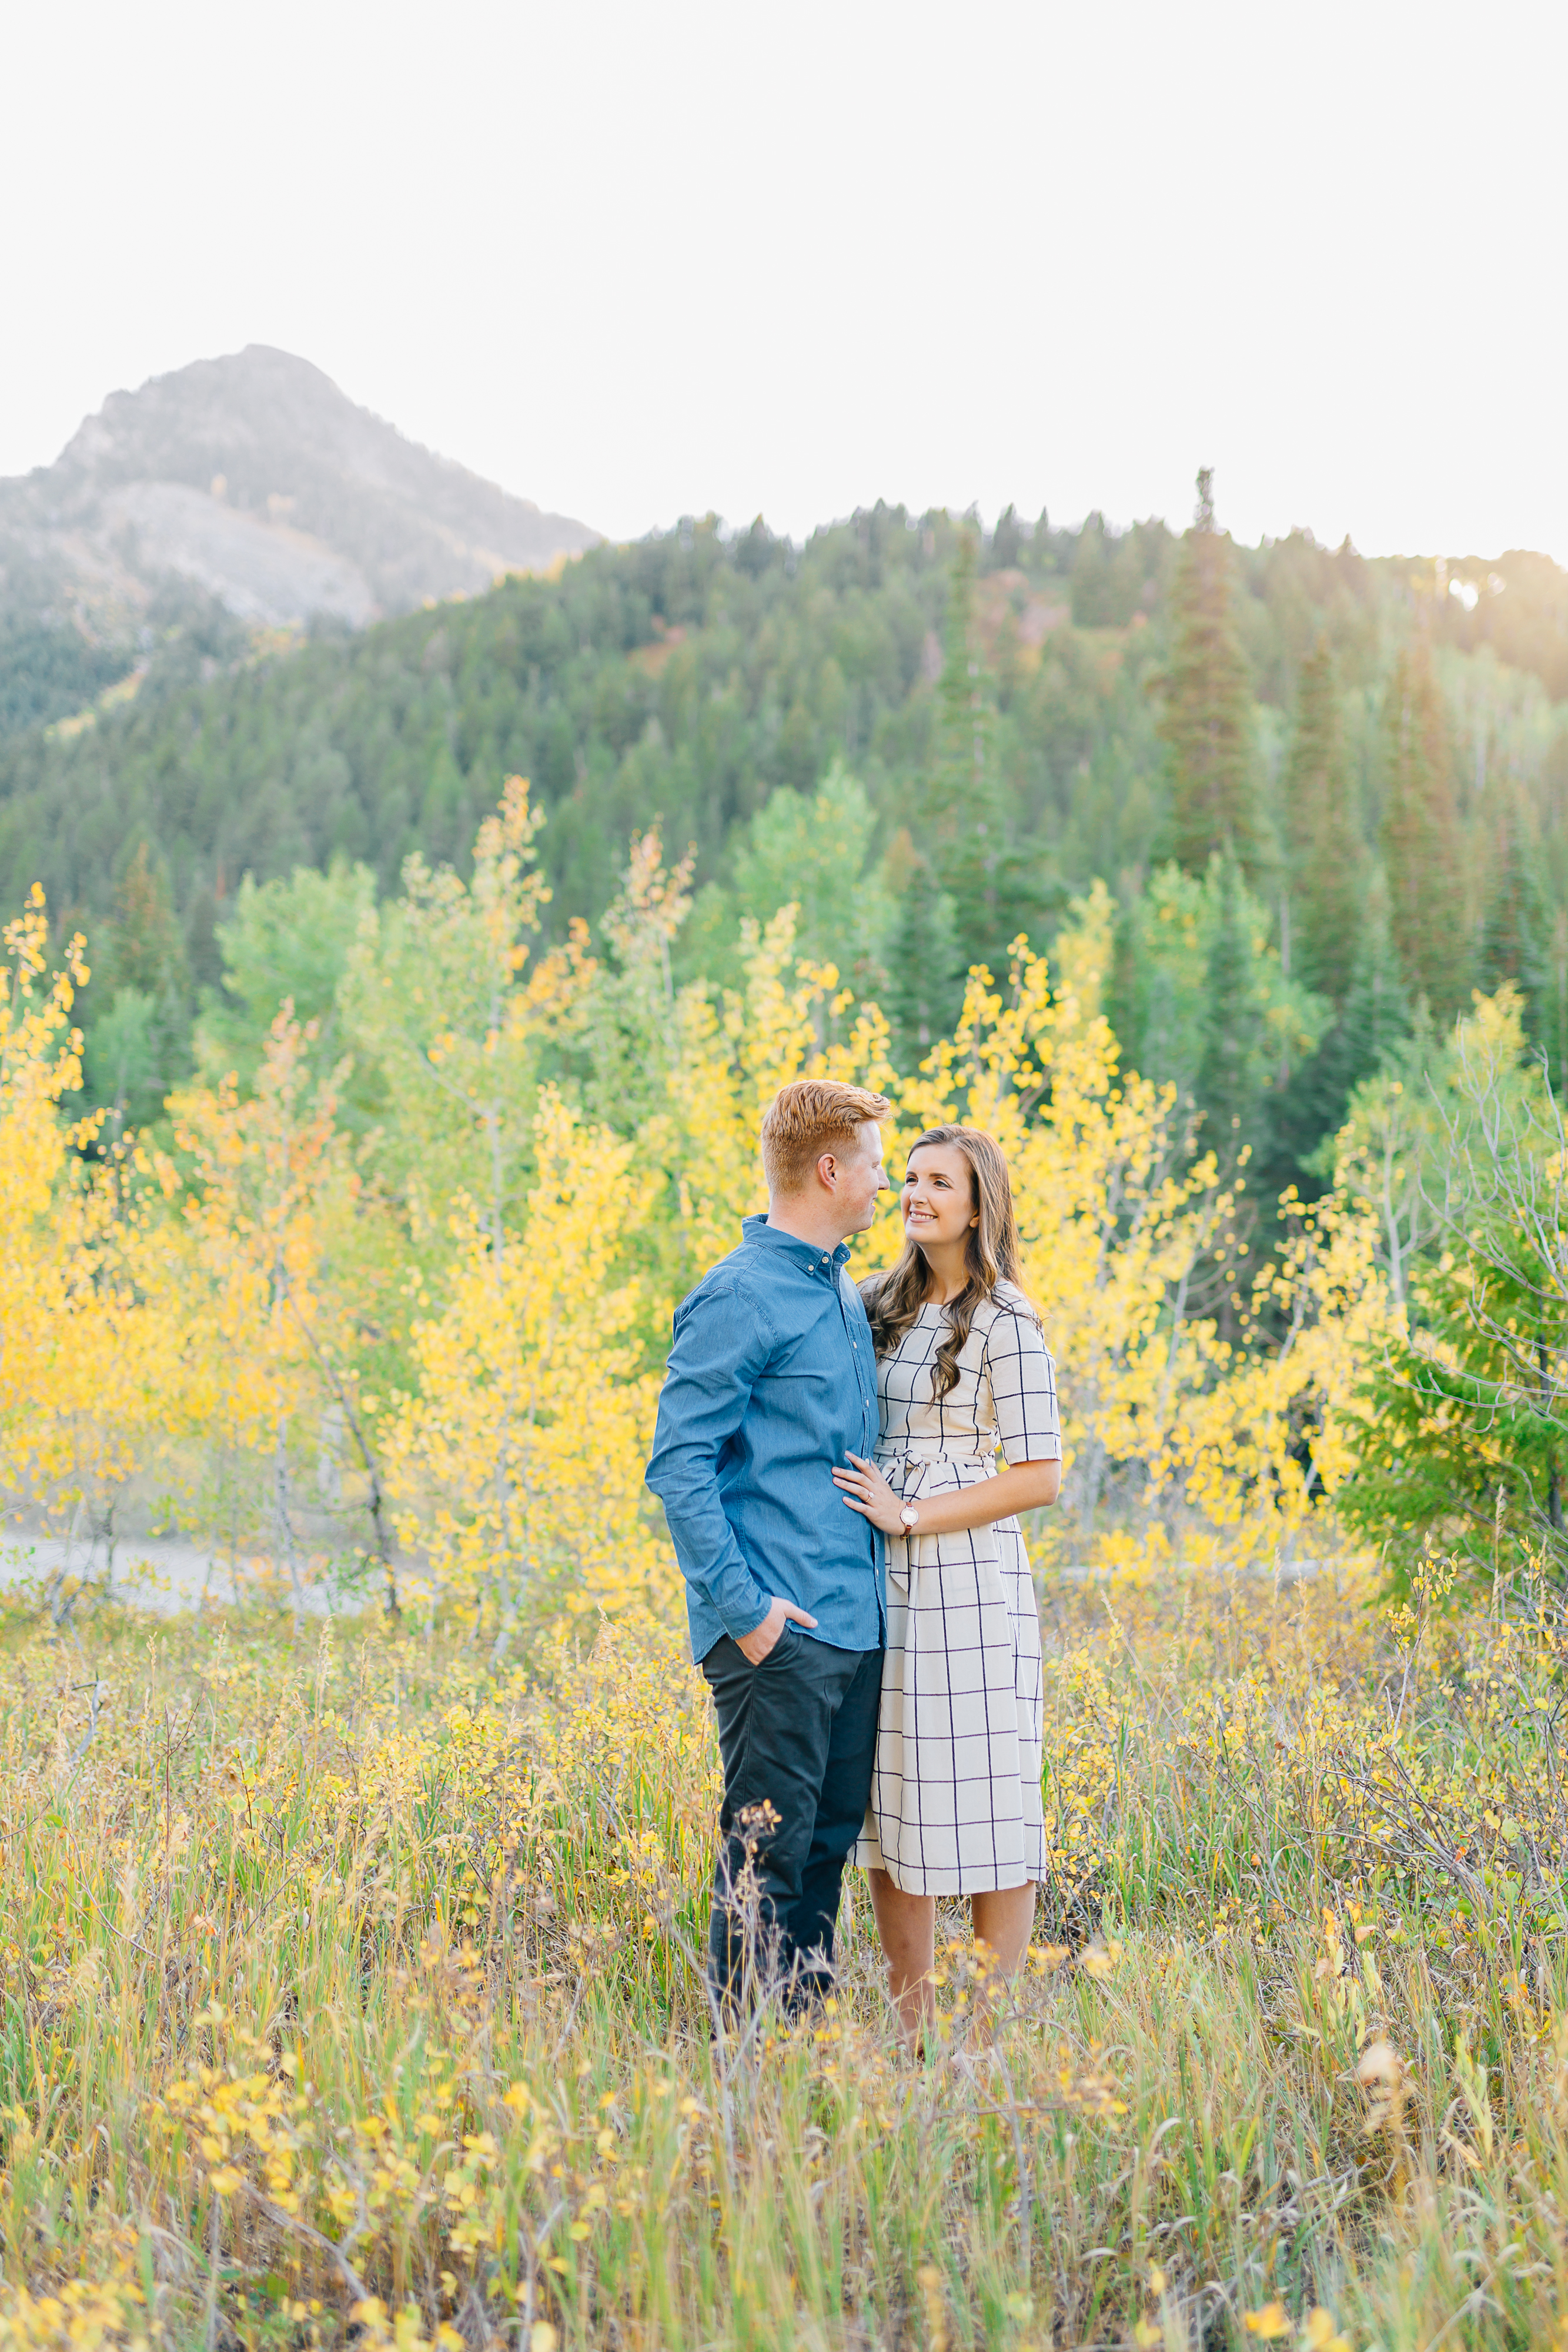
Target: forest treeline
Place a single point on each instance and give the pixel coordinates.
(1309, 799)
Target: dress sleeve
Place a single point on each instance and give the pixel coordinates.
(1023, 1390)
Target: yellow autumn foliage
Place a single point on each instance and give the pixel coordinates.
(462, 1313)
(260, 1174)
(1118, 1225)
(86, 1332)
(518, 1462)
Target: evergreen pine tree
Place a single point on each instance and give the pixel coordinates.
(1374, 1017)
(966, 816)
(146, 948)
(1007, 541)
(1126, 997)
(925, 990)
(1092, 587)
(1421, 838)
(1378, 1012)
(1517, 928)
(994, 890)
(1208, 718)
(1327, 856)
(1226, 1089)
(1551, 1011)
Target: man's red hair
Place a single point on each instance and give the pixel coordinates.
(808, 1118)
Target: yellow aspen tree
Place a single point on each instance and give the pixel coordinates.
(1114, 1219)
(40, 1061)
(253, 1219)
(519, 1464)
(85, 1346)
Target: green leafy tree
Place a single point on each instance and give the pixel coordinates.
(286, 938)
(1387, 1155)
(1183, 946)
(818, 854)
(137, 1025)
(125, 1068)
(438, 1001)
(1421, 838)
(625, 1013)
(1206, 721)
(1463, 1446)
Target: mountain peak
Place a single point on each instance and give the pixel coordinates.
(254, 477)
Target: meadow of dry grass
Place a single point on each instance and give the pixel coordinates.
(348, 1997)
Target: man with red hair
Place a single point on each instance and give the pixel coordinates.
(772, 1384)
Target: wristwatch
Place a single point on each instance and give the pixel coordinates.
(909, 1518)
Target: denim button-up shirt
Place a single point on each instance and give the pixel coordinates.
(772, 1381)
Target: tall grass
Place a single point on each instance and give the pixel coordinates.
(350, 1994)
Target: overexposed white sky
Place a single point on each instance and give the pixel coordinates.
(638, 261)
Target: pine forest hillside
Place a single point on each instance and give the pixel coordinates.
(1323, 796)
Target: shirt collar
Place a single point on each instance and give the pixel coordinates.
(759, 1234)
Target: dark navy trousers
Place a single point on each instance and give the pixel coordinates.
(798, 1736)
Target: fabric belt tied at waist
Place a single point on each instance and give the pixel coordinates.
(899, 1465)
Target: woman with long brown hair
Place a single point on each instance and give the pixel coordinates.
(962, 1369)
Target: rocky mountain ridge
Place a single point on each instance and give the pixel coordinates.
(253, 479)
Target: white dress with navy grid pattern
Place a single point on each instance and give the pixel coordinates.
(955, 1805)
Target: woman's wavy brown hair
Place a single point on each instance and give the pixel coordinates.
(893, 1300)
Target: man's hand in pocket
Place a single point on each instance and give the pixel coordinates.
(765, 1637)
